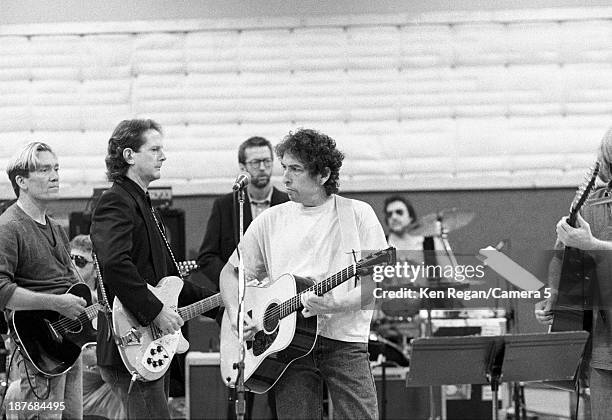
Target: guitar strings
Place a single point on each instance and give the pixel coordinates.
(67, 323)
(197, 308)
(289, 304)
(293, 304)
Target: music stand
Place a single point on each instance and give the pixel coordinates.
(493, 359)
(542, 356)
(439, 361)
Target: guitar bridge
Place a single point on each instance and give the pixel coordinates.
(132, 338)
(54, 334)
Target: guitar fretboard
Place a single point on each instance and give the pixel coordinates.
(191, 311)
(295, 303)
(66, 324)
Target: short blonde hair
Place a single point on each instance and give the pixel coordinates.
(82, 242)
(25, 161)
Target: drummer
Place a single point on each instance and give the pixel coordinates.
(402, 222)
(401, 218)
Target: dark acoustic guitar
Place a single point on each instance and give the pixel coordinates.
(51, 341)
(284, 334)
(571, 309)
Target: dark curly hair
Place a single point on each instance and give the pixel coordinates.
(127, 134)
(317, 152)
(407, 203)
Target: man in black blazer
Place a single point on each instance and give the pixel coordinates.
(255, 157)
(132, 250)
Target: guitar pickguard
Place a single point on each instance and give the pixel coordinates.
(159, 353)
(263, 341)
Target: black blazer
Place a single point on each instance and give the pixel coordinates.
(132, 254)
(219, 241)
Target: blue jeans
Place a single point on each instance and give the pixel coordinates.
(345, 368)
(146, 400)
(600, 382)
(63, 391)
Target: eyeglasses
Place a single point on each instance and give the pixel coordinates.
(399, 212)
(79, 260)
(256, 163)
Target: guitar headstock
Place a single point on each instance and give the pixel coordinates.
(186, 267)
(583, 192)
(384, 257)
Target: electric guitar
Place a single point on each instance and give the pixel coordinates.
(145, 351)
(51, 341)
(570, 311)
(284, 335)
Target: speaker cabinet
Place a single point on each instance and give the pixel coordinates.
(402, 402)
(174, 224)
(173, 219)
(205, 393)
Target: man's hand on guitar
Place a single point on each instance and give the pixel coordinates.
(543, 312)
(250, 327)
(316, 305)
(69, 305)
(579, 237)
(168, 320)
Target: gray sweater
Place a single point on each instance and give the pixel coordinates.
(28, 260)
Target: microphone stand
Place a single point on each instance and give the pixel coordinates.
(240, 401)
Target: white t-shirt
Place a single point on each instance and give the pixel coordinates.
(306, 242)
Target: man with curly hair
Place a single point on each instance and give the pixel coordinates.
(313, 236)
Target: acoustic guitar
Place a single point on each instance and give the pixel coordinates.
(571, 308)
(284, 335)
(51, 341)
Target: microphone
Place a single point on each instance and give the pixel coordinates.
(242, 180)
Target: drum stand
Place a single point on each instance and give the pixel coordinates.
(444, 238)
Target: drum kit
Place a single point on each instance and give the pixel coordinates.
(395, 326)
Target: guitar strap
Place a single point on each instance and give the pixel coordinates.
(104, 299)
(349, 239)
(161, 231)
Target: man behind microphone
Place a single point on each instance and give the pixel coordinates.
(242, 181)
(255, 158)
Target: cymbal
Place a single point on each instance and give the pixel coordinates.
(449, 220)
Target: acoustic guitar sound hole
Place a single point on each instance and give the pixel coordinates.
(271, 318)
(75, 327)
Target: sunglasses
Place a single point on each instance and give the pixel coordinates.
(399, 212)
(79, 260)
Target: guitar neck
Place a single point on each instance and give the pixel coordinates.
(92, 311)
(191, 311)
(295, 303)
(66, 324)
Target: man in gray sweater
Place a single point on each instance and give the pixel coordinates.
(35, 271)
